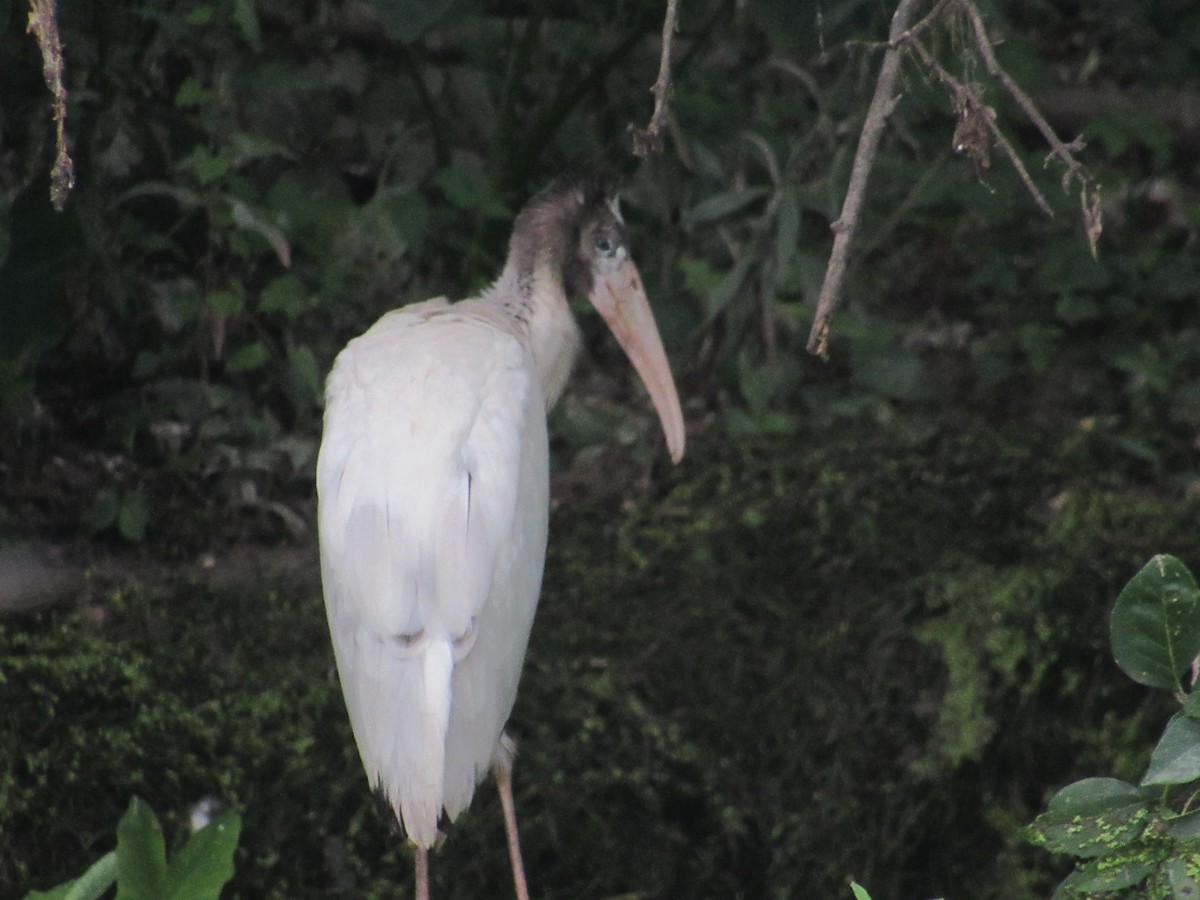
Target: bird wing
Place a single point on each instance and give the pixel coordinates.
(418, 488)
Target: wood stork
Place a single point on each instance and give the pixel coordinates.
(432, 486)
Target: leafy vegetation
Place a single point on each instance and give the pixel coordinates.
(1142, 836)
(140, 869)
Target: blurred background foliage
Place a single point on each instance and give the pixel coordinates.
(896, 563)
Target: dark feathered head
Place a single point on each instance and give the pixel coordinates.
(568, 227)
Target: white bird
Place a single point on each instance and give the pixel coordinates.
(433, 501)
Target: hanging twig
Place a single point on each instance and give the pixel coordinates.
(976, 121)
(1089, 190)
(882, 103)
(43, 25)
(969, 106)
(650, 139)
(1057, 147)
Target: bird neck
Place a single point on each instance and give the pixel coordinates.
(533, 296)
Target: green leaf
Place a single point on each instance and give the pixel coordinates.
(134, 516)
(141, 855)
(860, 893)
(227, 303)
(208, 166)
(200, 15)
(1092, 817)
(91, 885)
(787, 231)
(205, 864)
(726, 203)
(1110, 874)
(284, 294)
(303, 363)
(1155, 626)
(248, 358)
(245, 17)
(1184, 828)
(1184, 885)
(1176, 759)
(1191, 706)
(192, 93)
(104, 509)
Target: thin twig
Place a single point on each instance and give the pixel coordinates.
(1089, 190)
(43, 25)
(882, 103)
(930, 17)
(1057, 147)
(649, 139)
(968, 103)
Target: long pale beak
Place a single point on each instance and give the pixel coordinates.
(619, 297)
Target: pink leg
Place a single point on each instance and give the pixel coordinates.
(503, 766)
(422, 872)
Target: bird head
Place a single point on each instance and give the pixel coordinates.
(577, 224)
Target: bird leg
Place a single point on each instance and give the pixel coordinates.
(503, 766)
(421, 872)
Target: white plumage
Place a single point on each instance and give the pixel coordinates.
(433, 483)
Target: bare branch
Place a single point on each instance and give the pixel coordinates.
(882, 103)
(43, 25)
(650, 139)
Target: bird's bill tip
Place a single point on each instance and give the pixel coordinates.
(619, 297)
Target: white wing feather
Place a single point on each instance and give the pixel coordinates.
(432, 507)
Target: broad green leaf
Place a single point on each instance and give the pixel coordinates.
(141, 855)
(1155, 626)
(1191, 706)
(1176, 759)
(1184, 885)
(1185, 828)
(1110, 874)
(134, 516)
(860, 893)
(726, 203)
(1092, 817)
(91, 885)
(205, 864)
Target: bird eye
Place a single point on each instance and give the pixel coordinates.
(605, 245)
